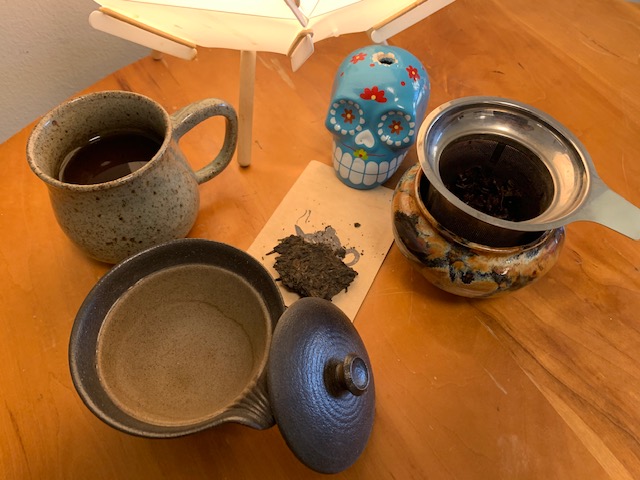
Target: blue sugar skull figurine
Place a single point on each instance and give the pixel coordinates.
(379, 98)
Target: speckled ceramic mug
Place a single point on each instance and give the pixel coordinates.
(153, 204)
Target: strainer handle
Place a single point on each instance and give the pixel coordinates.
(607, 208)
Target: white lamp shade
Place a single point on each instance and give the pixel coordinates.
(263, 25)
(261, 8)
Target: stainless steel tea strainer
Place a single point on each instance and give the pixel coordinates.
(526, 148)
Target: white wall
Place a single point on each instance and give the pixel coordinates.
(48, 52)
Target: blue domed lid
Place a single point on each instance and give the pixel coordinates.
(321, 385)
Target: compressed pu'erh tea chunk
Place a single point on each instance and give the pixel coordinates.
(312, 269)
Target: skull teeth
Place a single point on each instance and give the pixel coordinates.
(357, 172)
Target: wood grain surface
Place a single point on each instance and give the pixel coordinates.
(542, 383)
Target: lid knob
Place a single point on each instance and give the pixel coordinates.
(352, 374)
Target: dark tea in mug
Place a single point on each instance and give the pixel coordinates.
(109, 157)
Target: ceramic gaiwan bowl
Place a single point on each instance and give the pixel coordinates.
(192, 333)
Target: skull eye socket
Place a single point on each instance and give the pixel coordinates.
(396, 129)
(346, 117)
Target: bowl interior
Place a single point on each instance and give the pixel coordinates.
(171, 338)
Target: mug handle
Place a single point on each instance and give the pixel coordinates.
(188, 117)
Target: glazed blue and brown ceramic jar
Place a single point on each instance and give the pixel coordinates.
(484, 211)
(460, 266)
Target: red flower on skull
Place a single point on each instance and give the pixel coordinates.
(413, 73)
(358, 58)
(395, 127)
(348, 115)
(373, 94)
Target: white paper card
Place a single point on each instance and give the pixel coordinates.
(361, 220)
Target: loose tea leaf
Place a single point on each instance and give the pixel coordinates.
(312, 269)
(480, 188)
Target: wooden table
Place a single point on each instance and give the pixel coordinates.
(543, 383)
